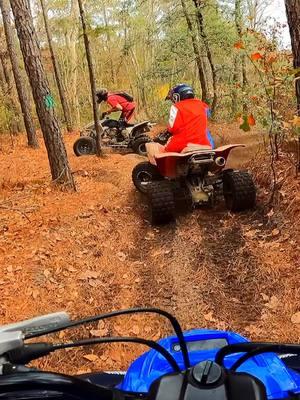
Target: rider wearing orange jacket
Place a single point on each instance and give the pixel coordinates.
(188, 119)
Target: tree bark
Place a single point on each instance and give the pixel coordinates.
(11, 101)
(198, 5)
(109, 46)
(202, 77)
(293, 17)
(71, 37)
(239, 29)
(58, 160)
(2, 78)
(23, 98)
(61, 91)
(92, 78)
(234, 92)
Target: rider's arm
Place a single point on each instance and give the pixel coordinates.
(174, 128)
(115, 106)
(173, 119)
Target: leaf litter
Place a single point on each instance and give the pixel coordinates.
(94, 251)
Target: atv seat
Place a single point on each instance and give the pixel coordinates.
(195, 147)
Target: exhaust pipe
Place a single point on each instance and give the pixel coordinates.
(220, 161)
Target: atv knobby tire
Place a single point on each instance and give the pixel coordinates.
(84, 146)
(161, 201)
(239, 190)
(143, 174)
(139, 145)
(183, 198)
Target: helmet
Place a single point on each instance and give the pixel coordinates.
(180, 92)
(101, 95)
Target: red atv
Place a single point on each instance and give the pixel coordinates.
(192, 178)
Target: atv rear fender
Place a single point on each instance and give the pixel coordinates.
(139, 127)
(167, 163)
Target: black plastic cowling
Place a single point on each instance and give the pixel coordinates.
(207, 381)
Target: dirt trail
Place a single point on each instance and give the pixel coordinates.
(95, 251)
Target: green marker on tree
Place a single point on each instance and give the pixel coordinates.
(49, 102)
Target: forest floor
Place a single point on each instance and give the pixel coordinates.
(95, 251)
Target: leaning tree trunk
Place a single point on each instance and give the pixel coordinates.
(293, 16)
(23, 98)
(92, 78)
(199, 63)
(61, 91)
(198, 5)
(43, 99)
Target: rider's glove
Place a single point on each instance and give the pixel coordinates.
(163, 137)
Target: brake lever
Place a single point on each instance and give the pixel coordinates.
(37, 324)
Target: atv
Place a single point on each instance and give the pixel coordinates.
(192, 178)
(199, 364)
(115, 135)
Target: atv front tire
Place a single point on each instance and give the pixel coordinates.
(139, 145)
(239, 190)
(161, 201)
(84, 146)
(143, 174)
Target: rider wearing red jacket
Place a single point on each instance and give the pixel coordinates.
(118, 102)
(188, 119)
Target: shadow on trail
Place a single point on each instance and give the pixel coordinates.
(237, 279)
(203, 263)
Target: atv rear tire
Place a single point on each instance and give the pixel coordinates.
(162, 204)
(84, 146)
(183, 198)
(139, 145)
(239, 190)
(143, 174)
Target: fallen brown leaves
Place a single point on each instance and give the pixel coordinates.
(92, 252)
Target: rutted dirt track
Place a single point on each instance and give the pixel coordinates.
(95, 251)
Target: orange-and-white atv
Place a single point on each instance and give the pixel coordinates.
(194, 177)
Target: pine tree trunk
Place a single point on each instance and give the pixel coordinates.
(23, 98)
(71, 36)
(235, 82)
(43, 99)
(10, 100)
(61, 91)
(2, 78)
(92, 78)
(200, 20)
(293, 16)
(109, 46)
(202, 77)
(239, 29)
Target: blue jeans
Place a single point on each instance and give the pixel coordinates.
(211, 140)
